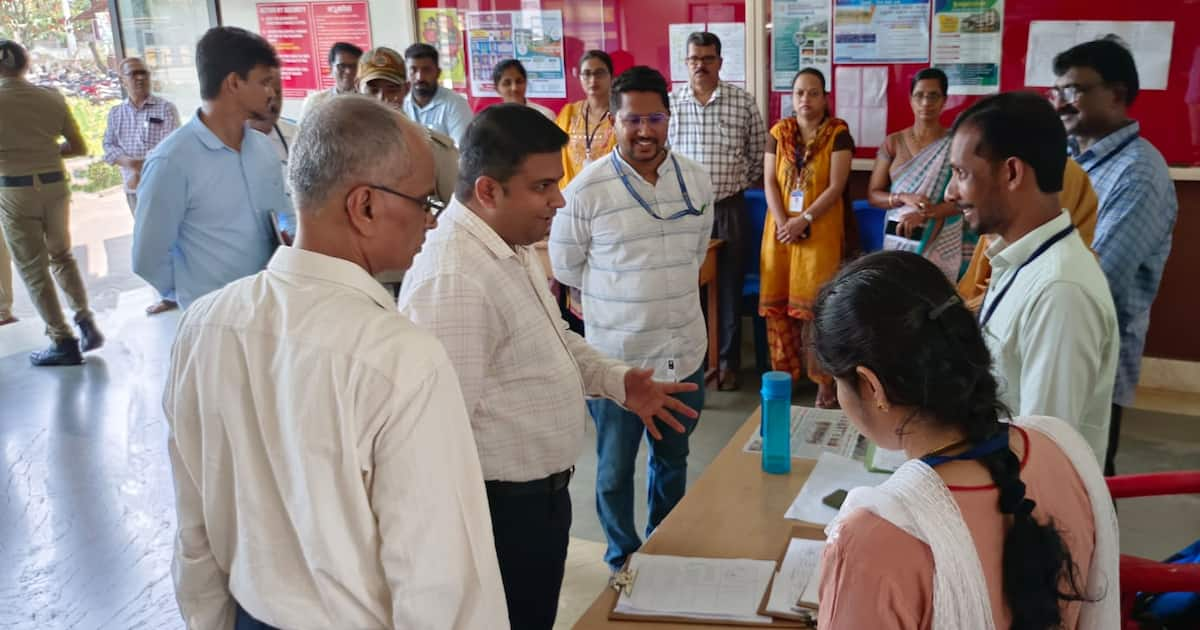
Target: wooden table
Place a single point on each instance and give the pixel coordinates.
(708, 282)
(733, 511)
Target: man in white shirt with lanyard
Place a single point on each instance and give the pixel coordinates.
(335, 484)
(1048, 316)
(632, 237)
(480, 287)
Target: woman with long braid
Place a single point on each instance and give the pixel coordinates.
(993, 522)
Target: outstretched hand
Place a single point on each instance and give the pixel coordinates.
(651, 399)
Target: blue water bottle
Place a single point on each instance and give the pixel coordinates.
(776, 427)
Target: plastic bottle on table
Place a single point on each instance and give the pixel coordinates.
(776, 427)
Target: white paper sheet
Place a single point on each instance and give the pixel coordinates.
(677, 41)
(1150, 43)
(699, 588)
(832, 472)
(860, 96)
(733, 49)
(798, 578)
(874, 86)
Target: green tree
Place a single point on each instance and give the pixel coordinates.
(29, 21)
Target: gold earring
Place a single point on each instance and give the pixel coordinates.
(882, 406)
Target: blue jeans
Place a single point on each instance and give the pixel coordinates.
(243, 621)
(618, 437)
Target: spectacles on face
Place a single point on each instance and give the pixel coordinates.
(1069, 93)
(593, 74)
(429, 204)
(138, 74)
(927, 97)
(654, 120)
(706, 60)
(344, 67)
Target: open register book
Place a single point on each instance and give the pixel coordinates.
(795, 587)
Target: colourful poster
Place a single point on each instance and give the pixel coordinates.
(533, 37)
(881, 31)
(800, 40)
(967, 44)
(302, 34)
(288, 26)
(443, 29)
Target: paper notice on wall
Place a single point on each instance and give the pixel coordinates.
(442, 29)
(303, 32)
(535, 38)
(733, 49)
(799, 39)
(677, 35)
(1150, 43)
(874, 31)
(967, 38)
(860, 95)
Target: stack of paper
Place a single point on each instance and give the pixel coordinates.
(832, 473)
(697, 588)
(796, 588)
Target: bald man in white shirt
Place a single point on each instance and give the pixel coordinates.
(325, 471)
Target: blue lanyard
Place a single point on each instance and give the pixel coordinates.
(1111, 154)
(689, 210)
(991, 308)
(991, 445)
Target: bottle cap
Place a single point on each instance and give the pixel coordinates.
(777, 385)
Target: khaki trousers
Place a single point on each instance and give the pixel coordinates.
(6, 290)
(36, 226)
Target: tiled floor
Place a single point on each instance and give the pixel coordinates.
(86, 516)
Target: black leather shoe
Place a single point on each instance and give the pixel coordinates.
(65, 352)
(90, 337)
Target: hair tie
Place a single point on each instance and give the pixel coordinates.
(951, 301)
(1025, 508)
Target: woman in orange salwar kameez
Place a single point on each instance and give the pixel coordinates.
(809, 155)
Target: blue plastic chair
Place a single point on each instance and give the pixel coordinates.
(870, 225)
(756, 210)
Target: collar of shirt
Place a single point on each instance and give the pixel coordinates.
(664, 167)
(1105, 145)
(210, 139)
(477, 227)
(1003, 256)
(150, 101)
(686, 94)
(309, 264)
(438, 98)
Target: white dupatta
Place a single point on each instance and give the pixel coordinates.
(916, 500)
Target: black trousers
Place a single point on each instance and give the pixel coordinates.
(1114, 436)
(729, 225)
(531, 531)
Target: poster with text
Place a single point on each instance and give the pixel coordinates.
(442, 29)
(302, 34)
(800, 40)
(967, 44)
(733, 49)
(535, 38)
(1150, 43)
(881, 31)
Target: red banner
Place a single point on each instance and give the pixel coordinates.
(302, 34)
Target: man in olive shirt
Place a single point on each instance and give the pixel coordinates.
(35, 202)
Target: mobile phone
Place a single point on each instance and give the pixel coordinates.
(835, 499)
(916, 235)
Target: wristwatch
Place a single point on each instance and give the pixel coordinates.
(808, 217)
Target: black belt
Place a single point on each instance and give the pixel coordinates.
(545, 485)
(21, 181)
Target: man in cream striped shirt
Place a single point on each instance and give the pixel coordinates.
(632, 238)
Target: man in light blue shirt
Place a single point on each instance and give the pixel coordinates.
(204, 207)
(429, 104)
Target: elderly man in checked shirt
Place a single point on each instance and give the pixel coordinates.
(1097, 82)
(135, 126)
(718, 125)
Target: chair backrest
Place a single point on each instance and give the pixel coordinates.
(756, 210)
(870, 225)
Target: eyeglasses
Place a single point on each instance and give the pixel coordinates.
(344, 67)
(138, 74)
(429, 204)
(593, 74)
(1069, 93)
(706, 60)
(931, 97)
(654, 120)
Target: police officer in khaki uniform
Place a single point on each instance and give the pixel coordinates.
(382, 75)
(35, 202)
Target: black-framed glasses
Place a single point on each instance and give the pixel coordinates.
(1069, 93)
(429, 204)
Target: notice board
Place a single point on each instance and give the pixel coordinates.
(302, 34)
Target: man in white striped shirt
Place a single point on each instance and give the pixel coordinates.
(632, 237)
(481, 289)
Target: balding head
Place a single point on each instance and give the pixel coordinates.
(359, 172)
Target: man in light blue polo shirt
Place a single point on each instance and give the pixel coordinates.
(204, 207)
(429, 104)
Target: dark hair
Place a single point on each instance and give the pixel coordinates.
(421, 51)
(13, 57)
(640, 79)
(704, 38)
(931, 74)
(597, 54)
(229, 49)
(813, 71)
(1112, 61)
(1021, 125)
(497, 142)
(896, 314)
(344, 47)
(498, 71)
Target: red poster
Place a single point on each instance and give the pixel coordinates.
(289, 28)
(303, 32)
(339, 22)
